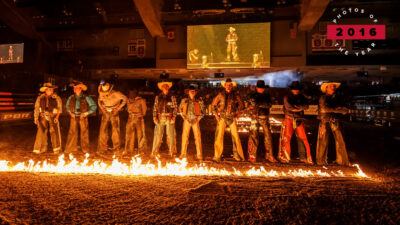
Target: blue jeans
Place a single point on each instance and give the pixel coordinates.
(164, 123)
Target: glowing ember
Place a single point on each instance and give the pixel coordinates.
(178, 168)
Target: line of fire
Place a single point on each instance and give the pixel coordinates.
(199, 112)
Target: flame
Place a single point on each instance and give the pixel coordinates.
(178, 168)
(360, 173)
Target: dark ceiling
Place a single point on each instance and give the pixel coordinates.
(48, 15)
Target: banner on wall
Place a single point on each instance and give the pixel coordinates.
(171, 34)
(132, 47)
(141, 48)
(320, 43)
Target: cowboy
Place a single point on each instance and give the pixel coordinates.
(79, 106)
(11, 53)
(294, 105)
(192, 111)
(194, 56)
(259, 104)
(137, 108)
(48, 107)
(110, 103)
(226, 107)
(165, 110)
(330, 109)
(231, 39)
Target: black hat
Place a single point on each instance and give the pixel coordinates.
(261, 84)
(193, 87)
(296, 86)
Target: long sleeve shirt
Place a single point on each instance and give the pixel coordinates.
(165, 104)
(49, 106)
(330, 107)
(259, 104)
(89, 100)
(114, 100)
(137, 106)
(294, 105)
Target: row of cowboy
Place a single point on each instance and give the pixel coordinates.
(226, 107)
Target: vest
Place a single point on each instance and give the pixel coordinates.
(52, 104)
(197, 108)
(84, 106)
(165, 103)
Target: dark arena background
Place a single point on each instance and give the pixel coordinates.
(78, 147)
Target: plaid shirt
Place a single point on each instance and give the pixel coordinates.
(165, 104)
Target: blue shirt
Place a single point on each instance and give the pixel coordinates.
(89, 100)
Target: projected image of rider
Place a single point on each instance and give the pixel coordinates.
(194, 56)
(11, 53)
(231, 39)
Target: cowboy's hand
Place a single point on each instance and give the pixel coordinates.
(217, 117)
(345, 111)
(36, 121)
(85, 114)
(41, 114)
(155, 120)
(56, 119)
(173, 120)
(115, 112)
(72, 115)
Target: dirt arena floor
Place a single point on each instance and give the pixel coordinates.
(47, 198)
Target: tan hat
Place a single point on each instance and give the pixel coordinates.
(79, 84)
(105, 88)
(229, 80)
(325, 85)
(232, 29)
(160, 84)
(46, 86)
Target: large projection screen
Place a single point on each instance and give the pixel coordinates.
(245, 45)
(11, 53)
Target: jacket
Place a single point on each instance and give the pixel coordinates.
(227, 104)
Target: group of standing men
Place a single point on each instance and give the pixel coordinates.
(227, 106)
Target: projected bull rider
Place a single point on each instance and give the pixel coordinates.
(231, 39)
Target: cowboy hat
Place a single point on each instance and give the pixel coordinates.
(105, 88)
(229, 80)
(162, 83)
(191, 87)
(325, 85)
(295, 86)
(46, 86)
(232, 28)
(79, 84)
(261, 84)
